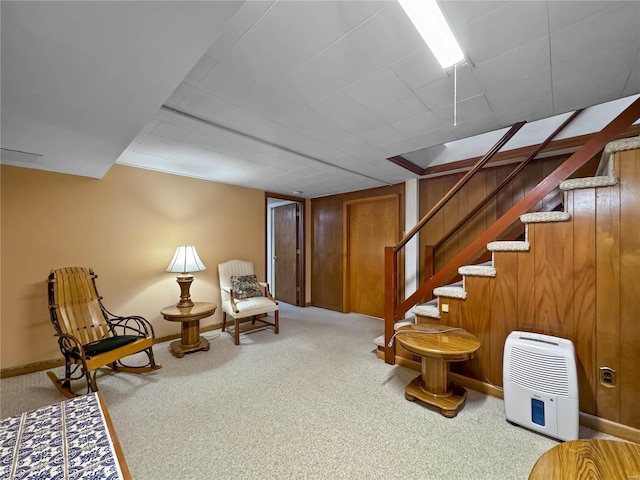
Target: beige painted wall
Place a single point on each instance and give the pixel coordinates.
(126, 226)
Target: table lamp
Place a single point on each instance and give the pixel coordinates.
(184, 261)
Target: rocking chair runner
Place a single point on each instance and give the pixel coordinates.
(89, 335)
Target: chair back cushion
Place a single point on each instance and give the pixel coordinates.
(238, 268)
(245, 286)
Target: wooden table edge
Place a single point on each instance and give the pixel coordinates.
(124, 468)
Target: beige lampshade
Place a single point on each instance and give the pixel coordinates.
(186, 260)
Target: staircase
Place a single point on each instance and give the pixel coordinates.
(567, 279)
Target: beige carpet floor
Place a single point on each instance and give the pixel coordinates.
(313, 402)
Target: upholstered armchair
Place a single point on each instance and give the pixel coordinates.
(244, 298)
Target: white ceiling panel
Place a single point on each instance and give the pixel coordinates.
(400, 109)
(564, 14)
(460, 13)
(273, 94)
(379, 88)
(418, 69)
(508, 27)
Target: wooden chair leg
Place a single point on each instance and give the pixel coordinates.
(237, 332)
(224, 320)
(276, 326)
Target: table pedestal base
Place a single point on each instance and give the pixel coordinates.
(179, 349)
(448, 403)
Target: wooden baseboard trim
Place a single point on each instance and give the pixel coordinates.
(590, 421)
(59, 362)
(31, 368)
(607, 426)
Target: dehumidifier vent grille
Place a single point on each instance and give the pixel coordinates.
(540, 372)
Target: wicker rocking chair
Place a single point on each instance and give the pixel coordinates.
(89, 335)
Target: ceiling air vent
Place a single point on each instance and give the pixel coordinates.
(17, 158)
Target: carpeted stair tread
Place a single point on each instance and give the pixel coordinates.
(450, 292)
(379, 341)
(544, 217)
(425, 310)
(504, 246)
(589, 182)
(477, 270)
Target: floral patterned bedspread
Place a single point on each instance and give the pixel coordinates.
(68, 440)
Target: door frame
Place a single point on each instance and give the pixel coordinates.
(300, 240)
(346, 285)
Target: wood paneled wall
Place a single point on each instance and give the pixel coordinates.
(483, 183)
(327, 243)
(581, 281)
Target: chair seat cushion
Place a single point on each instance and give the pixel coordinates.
(106, 345)
(251, 306)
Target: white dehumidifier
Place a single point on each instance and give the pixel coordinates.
(541, 384)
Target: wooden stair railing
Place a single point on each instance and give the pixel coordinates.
(393, 308)
(459, 184)
(514, 234)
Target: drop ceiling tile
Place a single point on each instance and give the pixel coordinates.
(181, 92)
(360, 123)
(200, 70)
(466, 110)
(503, 96)
(596, 36)
(187, 123)
(563, 14)
(435, 137)
(390, 34)
(378, 88)
(157, 146)
(526, 108)
(461, 13)
(418, 124)
(475, 126)
(530, 60)
(440, 93)
(229, 85)
(593, 68)
(339, 106)
(150, 125)
(400, 109)
(358, 148)
(418, 69)
(245, 17)
(510, 26)
(633, 83)
(204, 105)
(306, 86)
(399, 148)
(174, 132)
(588, 93)
(306, 120)
(285, 38)
(383, 136)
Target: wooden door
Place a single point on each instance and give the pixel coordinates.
(285, 248)
(371, 225)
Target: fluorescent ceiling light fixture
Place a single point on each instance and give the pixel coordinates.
(430, 23)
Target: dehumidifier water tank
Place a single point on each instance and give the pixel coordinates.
(541, 384)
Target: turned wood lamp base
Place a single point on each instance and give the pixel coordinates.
(184, 281)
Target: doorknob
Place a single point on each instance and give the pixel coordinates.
(275, 258)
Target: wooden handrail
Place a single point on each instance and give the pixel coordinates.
(461, 183)
(393, 309)
(510, 177)
(573, 163)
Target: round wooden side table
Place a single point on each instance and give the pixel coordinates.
(437, 345)
(593, 459)
(190, 339)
